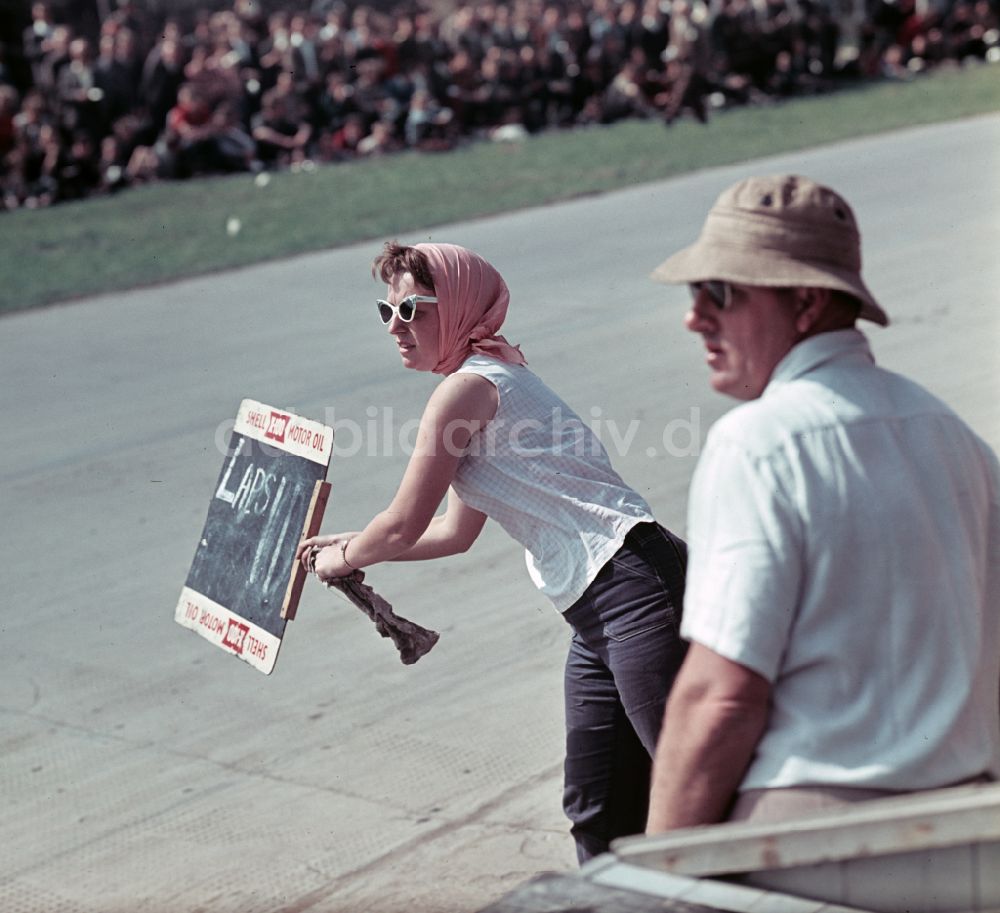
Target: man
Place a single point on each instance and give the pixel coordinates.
(35, 39)
(843, 596)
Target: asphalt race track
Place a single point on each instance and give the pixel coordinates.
(144, 770)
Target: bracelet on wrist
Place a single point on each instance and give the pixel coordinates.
(343, 554)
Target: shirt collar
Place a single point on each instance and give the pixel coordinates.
(817, 350)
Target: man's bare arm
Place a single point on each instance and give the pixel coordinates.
(715, 716)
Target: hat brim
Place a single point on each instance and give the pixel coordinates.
(701, 262)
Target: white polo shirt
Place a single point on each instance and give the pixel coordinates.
(544, 476)
(844, 535)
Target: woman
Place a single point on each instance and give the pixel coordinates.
(500, 444)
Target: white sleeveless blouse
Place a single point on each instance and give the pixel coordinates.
(544, 476)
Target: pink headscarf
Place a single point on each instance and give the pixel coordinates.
(472, 303)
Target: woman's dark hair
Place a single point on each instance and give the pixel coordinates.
(399, 258)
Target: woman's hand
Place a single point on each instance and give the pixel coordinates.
(307, 547)
(329, 563)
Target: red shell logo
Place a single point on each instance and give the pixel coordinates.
(277, 426)
(236, 635)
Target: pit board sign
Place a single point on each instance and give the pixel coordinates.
(244, 583)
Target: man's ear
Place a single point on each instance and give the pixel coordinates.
(810, 307)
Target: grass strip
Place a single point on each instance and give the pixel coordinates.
(171, 230)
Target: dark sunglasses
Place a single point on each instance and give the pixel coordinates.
(720, 293)
(406, 309)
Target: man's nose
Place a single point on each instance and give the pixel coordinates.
(700, 315)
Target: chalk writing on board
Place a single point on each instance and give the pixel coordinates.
(239, 579)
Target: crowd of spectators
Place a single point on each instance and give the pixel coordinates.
(240, 90)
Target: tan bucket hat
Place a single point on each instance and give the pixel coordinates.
(777, 231)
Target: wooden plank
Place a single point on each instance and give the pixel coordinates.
(917, 821)
(717, 895)
(313, 521)
(943, 880)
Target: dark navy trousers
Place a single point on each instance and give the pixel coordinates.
(624, 655)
